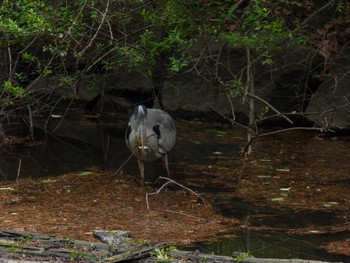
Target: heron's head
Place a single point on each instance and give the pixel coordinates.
(140, 113)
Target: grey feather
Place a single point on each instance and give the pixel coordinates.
(156, 129)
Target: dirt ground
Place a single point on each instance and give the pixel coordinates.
(74, 205)
(303, 173)
(296, 172)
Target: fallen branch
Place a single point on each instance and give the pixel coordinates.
(134, 253)
(171, 181)
(271, 107)
(125, 162)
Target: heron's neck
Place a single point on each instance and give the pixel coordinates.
(141, 134)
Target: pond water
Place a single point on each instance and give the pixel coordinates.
(284, 194)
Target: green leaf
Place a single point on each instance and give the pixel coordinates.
(86, 173)
(286, 170)
(285, 189)
(264, 176)
(330, 204)
(220, 133)
(314, 231)
(49, 181)
(265, 160)
(277, 199)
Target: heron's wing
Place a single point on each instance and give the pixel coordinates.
(129, 136)
(165, 129)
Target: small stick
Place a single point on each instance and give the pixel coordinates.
(19, 170)
(132, 154)
(120, 167)
(171, 181)
(106, 152)
(31, 129)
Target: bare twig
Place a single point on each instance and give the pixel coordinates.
(132, 154)
(122, 165)
(171, 181)
(155, 193)
(107, 21)
(314, 14)
(10, 62)
(51, 111)
(234, 122)
(64, 114)
(250, 90)
(270, 106)
(292, 129)
(231, 104)
(19, 170)
(217, 63)
(31, 128)
(97, 31)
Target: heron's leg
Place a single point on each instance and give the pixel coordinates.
(142, 171)
(165, 161)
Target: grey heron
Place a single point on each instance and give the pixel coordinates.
(150, 135)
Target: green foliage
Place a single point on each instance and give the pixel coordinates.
(263, 113)
(66, 80)
(69, 39)
(27, 57)
(260, 30)
(70, 242)
(25, 239)
(86, 173)
(76, 255)
(131, 58)
(142, 241)
(242, 256)
(172, 34)
(13, 89)
(162, 255)
(23, 19)
(235, 87)
(136, 35)
(176, 65)
(14, 250)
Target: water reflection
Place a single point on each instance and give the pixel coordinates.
(262, 244)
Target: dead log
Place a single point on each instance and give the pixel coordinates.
(139, 252)
(48, 246)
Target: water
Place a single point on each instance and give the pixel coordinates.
(276, 243)
(207, 159)
(271, 244)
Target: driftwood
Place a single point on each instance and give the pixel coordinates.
(135, 253)
(25, 247)
(51, 248)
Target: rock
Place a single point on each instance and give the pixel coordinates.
(199, 93)
(112, 237)
(280, 84)
(330, 105)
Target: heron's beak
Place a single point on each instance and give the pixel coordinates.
(142, 127)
